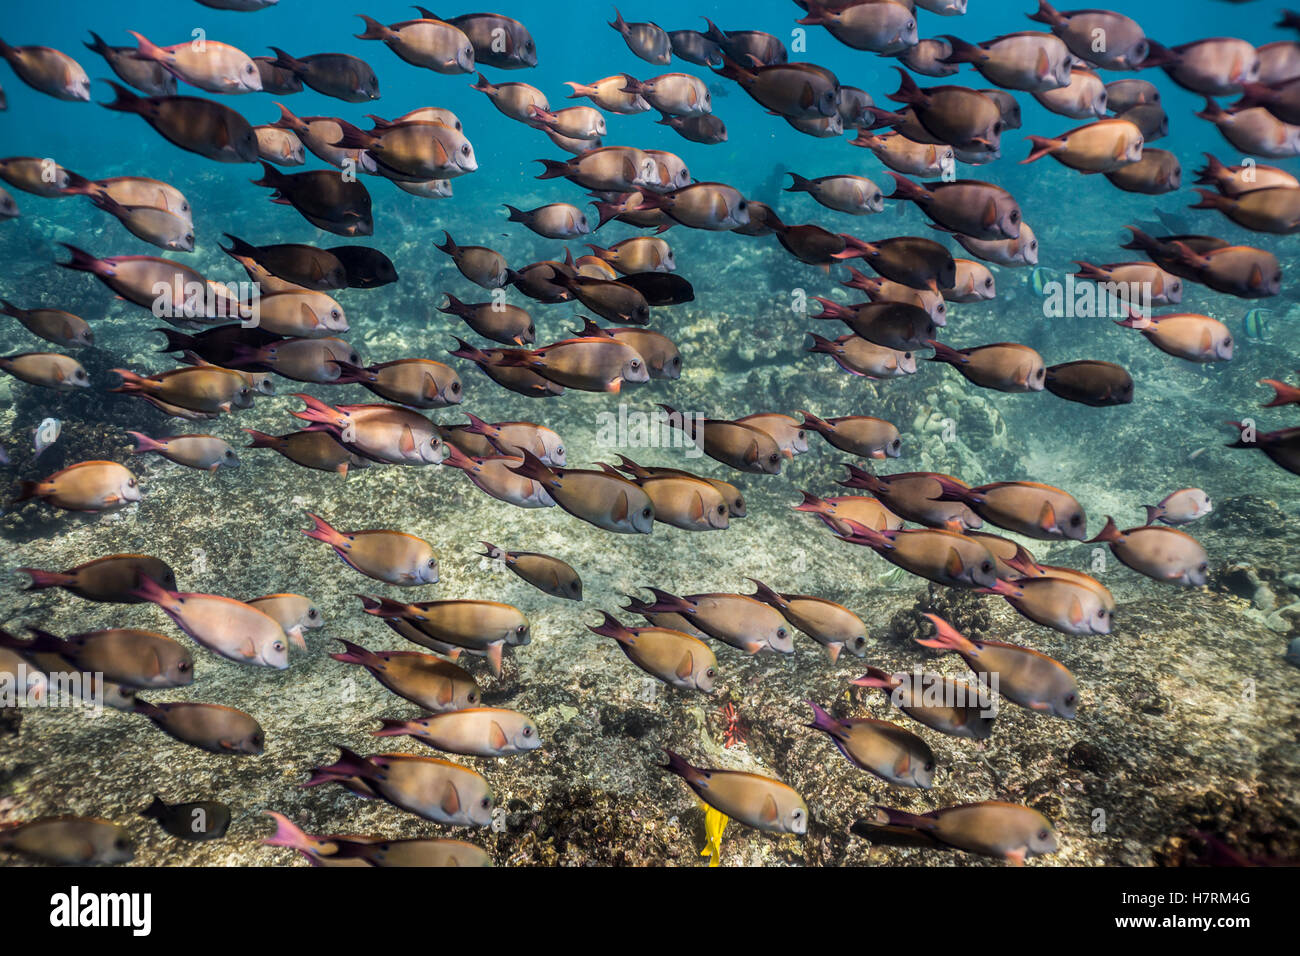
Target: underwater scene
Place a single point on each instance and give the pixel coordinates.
(680, 434)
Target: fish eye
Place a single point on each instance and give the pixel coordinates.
(334, 313)
(313, 614)
(278, 646)
(485, 802)
(455, 388)
(1069, 700)
(896, 443)
(465, 149)
(1075, 520)
(635, 363)
(722, 509)
(744, 204)
(986, 566)
(433, 562)
(183, 666)
(522, 629)
(1043, 834)
(781, 632)
(472, 697)
(740, 503)
(710, 673)
(774, 458)
(1015, 216)
(988, 283)
(122, 843)
(528, 731)
(131, 483)
(646, 512)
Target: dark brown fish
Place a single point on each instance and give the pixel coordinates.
(201, 126)
(339, 75)
(324, 198)
(306, 266)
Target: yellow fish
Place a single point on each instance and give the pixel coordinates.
(715, 821)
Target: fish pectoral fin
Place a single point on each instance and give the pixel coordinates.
(446, 693)
(249, 650)
(833, 651)
(1076, 611)
(770, 812)
(450, 800)
(1207, 341)
(697, 507)
(686, 667)
(308, 316)
(620, 511)
(494, 658)
(753, 647)
(497, 737)
(990, 214)
(751, 455)
(1016, 857)
(1038, 705)
(295, 635)
(407, 444)
(954, 566)
(1047, 517)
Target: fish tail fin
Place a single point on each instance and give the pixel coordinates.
(611, 627)
(348, 765)
(356, 654)
(534, 468)
(285, 62)
(515, 214)
(98, 46)
(859, 477)
(1153, 512)
(156, 810)
(1042, 145)
(150, 590)
(144, 443)
(1089, 271)
(287, 120)
(908, 92)
(1140, 240)
(290, 835)
(82, 261)
(888, 817)
(619, 24)
(147, 50)
(554, 169)
(471, 352)
(27, 490)
(944, 353)
(1210, 200)
(963, 52)
(579, 90)
(477, 426)
(238, 247)
(822, 720)
(669, 603)
(321, 530)
(821, 344)
(1045, 14)
(125, 101)
(374, 29)
(1108, 533)
(146, 709)
(261, 439)
(678, 765)
(874, 677)
(46, 579)
(353, 137)
(798, 184)
(1212, 112)
(349, 373)
(271, 177)
(816, 424)
(946, 637)
(812, 504)
(449, 244)
(453, 307)
(817, 14)
(628, 466)
(457, 458)
(765, 594)
(392, 728)
(317, 411)
(1209, 174)
(1283, 394)
(732, 70)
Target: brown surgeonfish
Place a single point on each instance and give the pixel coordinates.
(544, 572)
(831, 625)
(424, 680)
(393, 557)
(673, 656)
(1003, 830)
(756, 801)
(892, 753)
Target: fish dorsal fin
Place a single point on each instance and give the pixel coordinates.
(620, 507)
(686, 666)
(1047, 517)
(497, 737)
(770, 812)
(451, 800)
